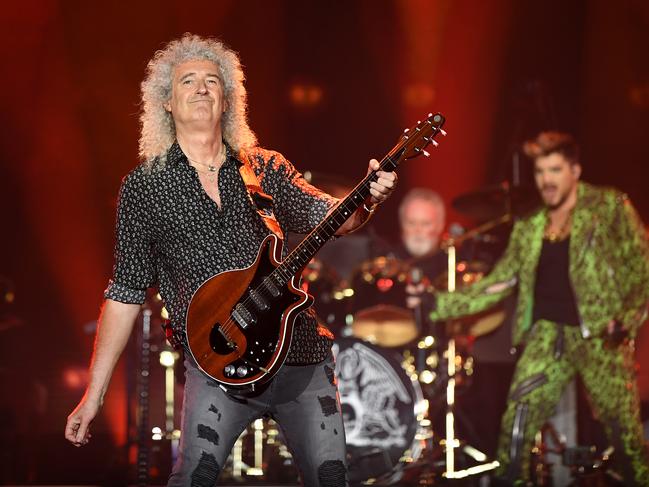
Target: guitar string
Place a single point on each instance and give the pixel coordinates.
(283, 269)
(285, 272)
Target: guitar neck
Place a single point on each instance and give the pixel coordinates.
(304, 252)
(411, 145)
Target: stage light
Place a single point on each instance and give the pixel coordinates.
(167, 358)
(427, 377)
(75, 377)
(306, 95)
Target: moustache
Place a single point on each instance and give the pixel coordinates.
(548, 186)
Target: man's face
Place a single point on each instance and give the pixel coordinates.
(556, 179)
(196, 94)
(421, 226)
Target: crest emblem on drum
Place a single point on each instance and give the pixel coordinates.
(377, 407)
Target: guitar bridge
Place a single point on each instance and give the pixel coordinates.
(242, 316)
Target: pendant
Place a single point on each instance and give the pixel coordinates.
(211, 168)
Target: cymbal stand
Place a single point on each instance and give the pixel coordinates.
(451, 443)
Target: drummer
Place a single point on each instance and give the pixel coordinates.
(422, 217)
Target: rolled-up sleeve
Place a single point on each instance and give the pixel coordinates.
(134, 265)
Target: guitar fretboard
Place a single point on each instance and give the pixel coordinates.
(304, 252)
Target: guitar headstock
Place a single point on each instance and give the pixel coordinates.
(414, 141)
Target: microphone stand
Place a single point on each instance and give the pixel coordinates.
(451, 443)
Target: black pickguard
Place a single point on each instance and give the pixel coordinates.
(264, 331)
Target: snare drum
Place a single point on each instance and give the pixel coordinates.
(380, 406)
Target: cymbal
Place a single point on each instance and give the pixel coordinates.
(491, 202)
(478, 324)
(385, 325)
(334, 184)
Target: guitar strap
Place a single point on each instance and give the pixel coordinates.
(263, 202)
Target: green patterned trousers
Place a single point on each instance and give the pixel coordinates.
(552, 356)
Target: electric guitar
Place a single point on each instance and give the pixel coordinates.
(240, 322)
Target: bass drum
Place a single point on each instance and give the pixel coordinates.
(380, 406)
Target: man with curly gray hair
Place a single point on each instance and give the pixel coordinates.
(186, 214)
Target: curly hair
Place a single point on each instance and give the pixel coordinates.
(158, 132)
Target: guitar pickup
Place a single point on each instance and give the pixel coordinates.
(260, 303)
(242, 316)
(270, 286)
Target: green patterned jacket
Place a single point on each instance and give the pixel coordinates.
(609, 267)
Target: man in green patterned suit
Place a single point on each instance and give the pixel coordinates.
(580, 266)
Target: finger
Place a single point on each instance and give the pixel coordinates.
(386, 182)
(392, 176)
(377, 196)
(71, 430)
(379, 191)
(373, 166)
(81, 432)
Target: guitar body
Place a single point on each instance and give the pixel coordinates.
(238, 335)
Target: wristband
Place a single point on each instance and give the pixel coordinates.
(370, 209)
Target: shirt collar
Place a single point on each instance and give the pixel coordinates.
(176, 156)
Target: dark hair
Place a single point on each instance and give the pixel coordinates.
(550, 142)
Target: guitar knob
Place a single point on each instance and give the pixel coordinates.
(242, 370)
(229, 370)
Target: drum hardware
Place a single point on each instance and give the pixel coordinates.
(322, 282)
(260, 455)
(491, 202)
(451, 443)
(239, 467)
(143, 440)
(587, 466)
(156, 439)
(168, 358)
(466, 273)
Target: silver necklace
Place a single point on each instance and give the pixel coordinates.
(210, 167)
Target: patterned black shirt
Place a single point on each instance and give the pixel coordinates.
(172, 235)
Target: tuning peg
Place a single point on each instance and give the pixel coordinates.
(430, 115)
(443, 132)
(426, 153)
(406, 130)
(435, 143)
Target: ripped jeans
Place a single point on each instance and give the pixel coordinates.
(303, 399)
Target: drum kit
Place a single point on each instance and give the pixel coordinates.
(393, 366)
